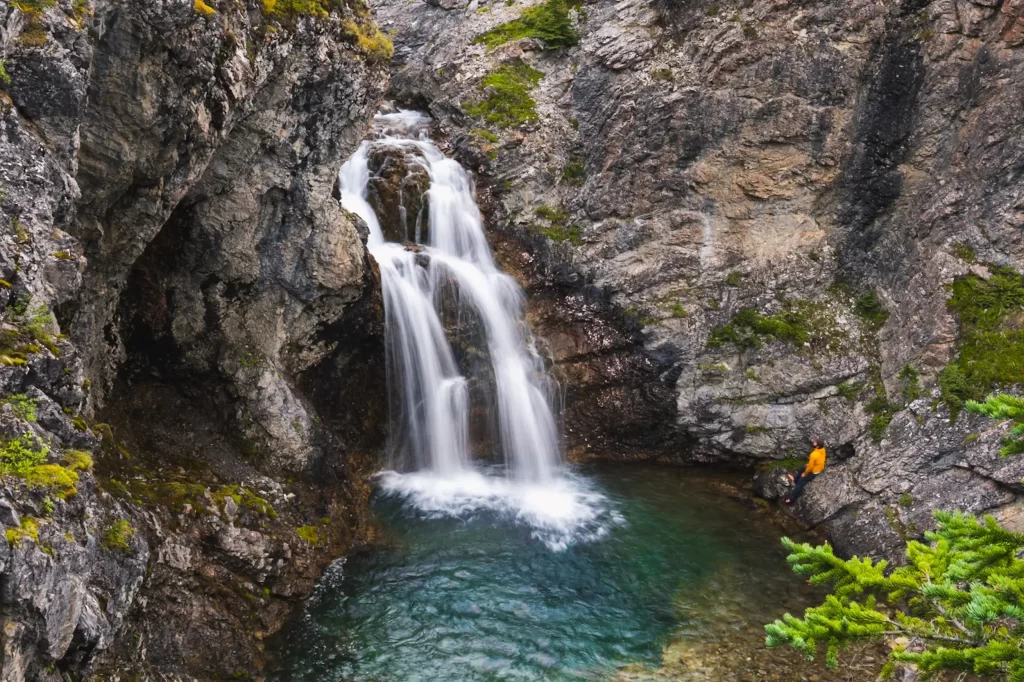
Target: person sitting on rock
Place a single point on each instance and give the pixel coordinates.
(815, 465)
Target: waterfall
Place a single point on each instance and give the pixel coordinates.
(430, 414)
(449, 276)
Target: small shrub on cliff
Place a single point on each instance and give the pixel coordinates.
(870, 309)
(22, 406)
(558, 228)
(549, 22)
(20, 455)
(508, 102)
(118, 536)
(370, 40)
(958, 604)
(991, 350)
(5, 77)
(574, 173)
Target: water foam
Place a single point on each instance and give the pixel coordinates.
(561, 512)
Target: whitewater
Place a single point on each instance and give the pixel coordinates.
(430, 453)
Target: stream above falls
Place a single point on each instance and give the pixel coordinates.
(477, 597)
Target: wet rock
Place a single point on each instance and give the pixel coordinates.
(772, 483)
(398, 194)
(9, 515)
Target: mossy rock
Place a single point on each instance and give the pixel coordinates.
(507, 101)
(398, 194)
(991, 339)
(549, 22)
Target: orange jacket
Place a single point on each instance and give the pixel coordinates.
(816, 462)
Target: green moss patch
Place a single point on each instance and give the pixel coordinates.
(25, 458)
(802, 323)
(22, 406)
(309, 533)
(487, 135)
(54, 478)
(77, 460)
(26, 334)
(118, 536)
(175, 495)
(991, 339)
(29, 529)
(293, 8)
(557, 228)
(507, 102)
(370, 40)
(549, 22)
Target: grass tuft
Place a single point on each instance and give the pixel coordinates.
(370, 40)
(549, 22)
(508, 102)
(118, 536)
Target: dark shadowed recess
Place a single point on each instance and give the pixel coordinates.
(172, 402)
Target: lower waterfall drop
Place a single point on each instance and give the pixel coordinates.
(451, 275)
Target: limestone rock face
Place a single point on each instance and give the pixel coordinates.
(698, 162)
(190, 325)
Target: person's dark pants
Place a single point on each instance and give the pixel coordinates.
(799, 487)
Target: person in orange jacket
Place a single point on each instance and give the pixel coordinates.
(815, 465)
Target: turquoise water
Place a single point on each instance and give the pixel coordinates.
(482, 598)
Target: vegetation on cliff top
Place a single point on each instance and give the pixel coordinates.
(958, 604)
(33, 34)
(549, 22)
(365, 33)
(370, 40)
(991, 339)
(508, 102)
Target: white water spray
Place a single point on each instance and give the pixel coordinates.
(431, 399)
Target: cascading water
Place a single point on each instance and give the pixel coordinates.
(431, 401)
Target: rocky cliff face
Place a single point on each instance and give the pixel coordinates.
(173, 263)
(766, 203)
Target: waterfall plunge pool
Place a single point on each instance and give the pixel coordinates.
(479, 596)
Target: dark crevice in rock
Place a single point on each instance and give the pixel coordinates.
(871, 181)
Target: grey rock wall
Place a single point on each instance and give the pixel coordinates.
(173, 262)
